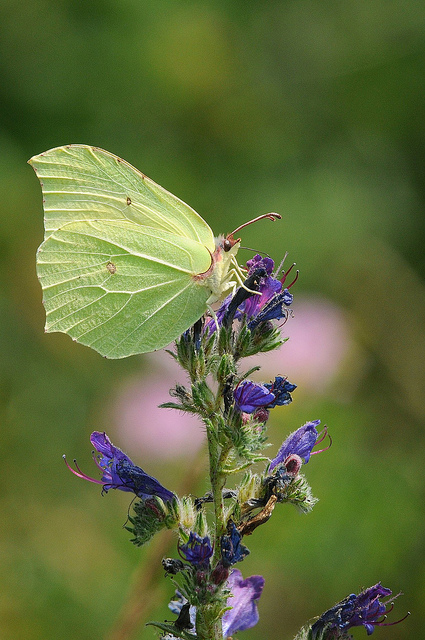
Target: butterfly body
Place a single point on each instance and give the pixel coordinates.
(125, 266)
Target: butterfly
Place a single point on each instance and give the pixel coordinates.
(125, 266)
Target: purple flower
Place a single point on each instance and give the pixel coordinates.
(243, 614)
(245, 594)
(119, 472)
(197, 550)
(251, 395)
(365, 609)
(272, 310)
(258, 262)
(268, 286)
(268, 304)
(300, 443)
(281, 389)
(232, 550)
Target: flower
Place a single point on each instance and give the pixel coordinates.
(251, 395)
(257, 308)
(176, 434)
(119, 472)
(300, 443)
(232, 550)
(243, 600)
(245, 595)
(270, 304)
(273, 310)
(281, 389)
(364, 609)
(258, 262)
(268, 285)
(197, 550)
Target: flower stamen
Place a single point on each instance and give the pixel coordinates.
(78, 472)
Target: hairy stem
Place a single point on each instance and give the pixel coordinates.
(208, 626)
(218, 482)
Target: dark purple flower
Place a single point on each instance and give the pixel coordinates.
(197, 550)
(245, 594)
(119, 472)
(281, 389)
(300, 443)
(232, 549)
(243, 614)
(258, 262)
(268, 304)
(251, 395)
(268, 288)
(272, 310)
(365, 609)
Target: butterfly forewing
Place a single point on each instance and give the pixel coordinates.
(86, 183)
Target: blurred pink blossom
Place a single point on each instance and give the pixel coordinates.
(143, 426)
(319, 341)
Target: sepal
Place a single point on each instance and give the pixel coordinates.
(266, 337)
(150, 517)
(297, 492)
(304, 633)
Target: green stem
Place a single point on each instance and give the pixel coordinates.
(208, 626)
(208, 619)
(218, 481)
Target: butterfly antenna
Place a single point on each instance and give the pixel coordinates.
(269, 216)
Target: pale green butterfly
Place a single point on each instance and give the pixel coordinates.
(125, 266)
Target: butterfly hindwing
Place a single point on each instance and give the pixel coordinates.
(119, 288)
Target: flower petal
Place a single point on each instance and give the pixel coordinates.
(300, 442)
(244, 613)
(251, 395)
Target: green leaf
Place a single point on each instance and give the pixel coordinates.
(171, 628)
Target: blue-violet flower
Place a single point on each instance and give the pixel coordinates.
(245, 595)
(281, 388)
(267, 304)
(251, 395)
(119, 472)
(197, 550)
(232, 549)
(365, 609)
(243, 614)
(300, 443)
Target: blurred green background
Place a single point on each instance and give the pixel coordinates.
(314, 109)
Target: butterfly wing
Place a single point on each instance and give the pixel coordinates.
(86, 183)
(120, 253)
(119, 287)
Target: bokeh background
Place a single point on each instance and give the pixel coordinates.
(314, 109)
